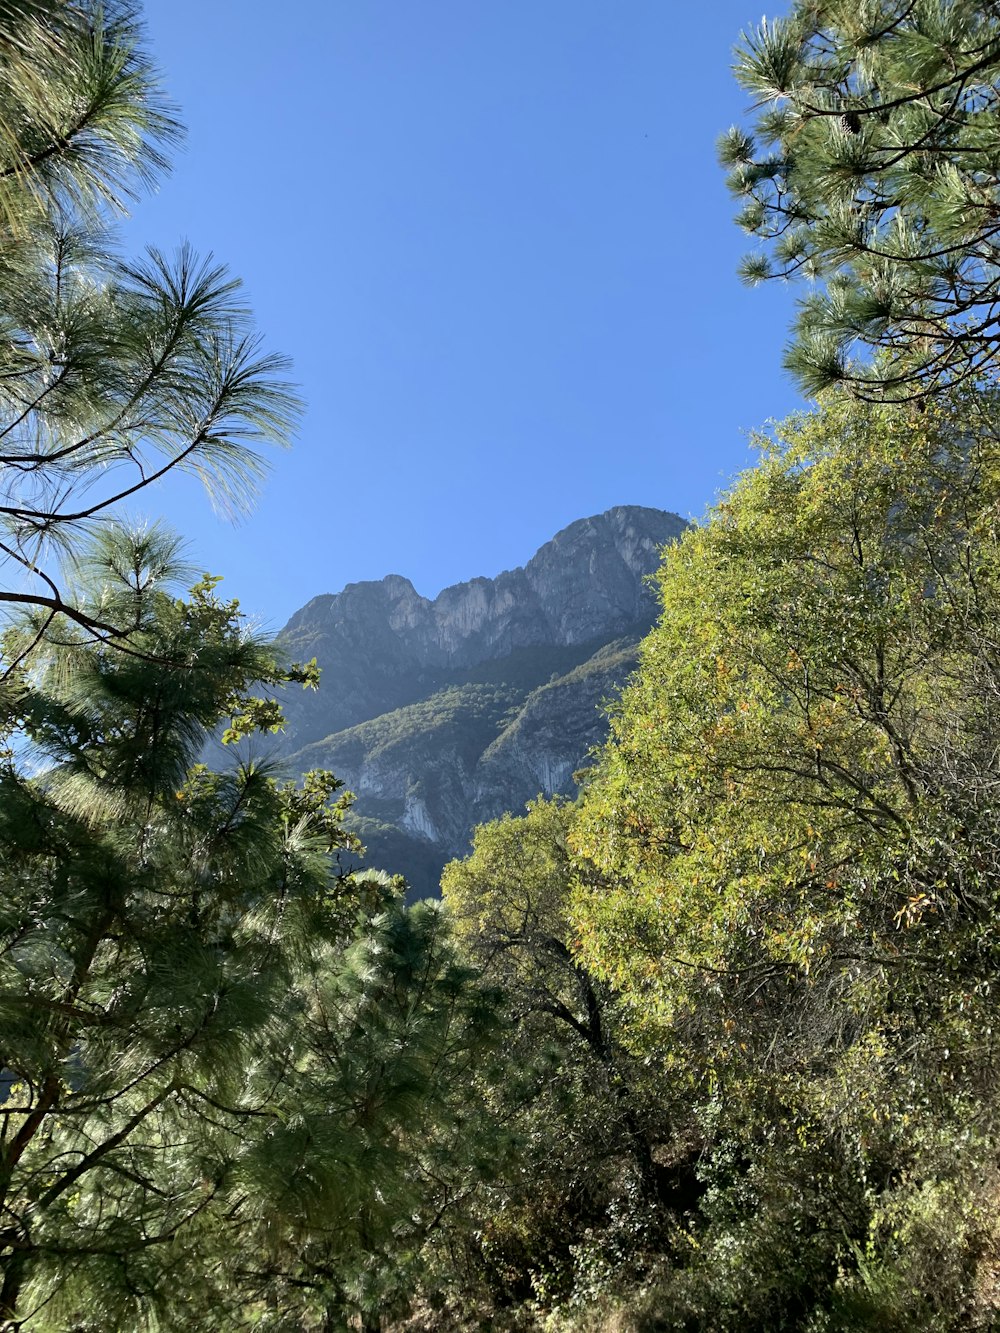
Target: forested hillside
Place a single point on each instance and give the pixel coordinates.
(710, 1047)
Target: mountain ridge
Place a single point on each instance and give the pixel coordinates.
(440, 713)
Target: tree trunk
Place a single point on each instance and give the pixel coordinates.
(10, 1292)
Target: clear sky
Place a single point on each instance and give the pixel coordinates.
(494, 240)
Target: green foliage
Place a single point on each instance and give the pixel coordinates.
(235, 1081)
(398, 1030)
(792, 841)
(112, 371)
(711, 1051)
(873, 162)
(583, 1203)
(222, 1055)
(508, 899)
(817, 667)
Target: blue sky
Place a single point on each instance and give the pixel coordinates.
(493, 238)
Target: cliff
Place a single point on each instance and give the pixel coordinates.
(442, 713)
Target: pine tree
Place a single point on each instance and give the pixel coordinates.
(236, 1079)
(112, 371)
(150, 914)
(235, 1082)
(873, 163)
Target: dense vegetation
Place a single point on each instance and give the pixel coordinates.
(777, 899)
(215, 1047)
(711, 1048)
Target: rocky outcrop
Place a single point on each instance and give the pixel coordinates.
(552, 734)
(442, 713)
(382, 646)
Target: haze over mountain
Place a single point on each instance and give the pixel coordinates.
(443, 713)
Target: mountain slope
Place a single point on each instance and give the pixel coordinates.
(442, 713)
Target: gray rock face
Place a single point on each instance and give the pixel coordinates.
(381, 645)
(550, 736)
(441, 714)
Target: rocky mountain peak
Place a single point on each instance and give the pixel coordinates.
(382, 645)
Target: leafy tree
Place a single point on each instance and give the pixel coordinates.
(508, 901)
(821, 661)
(112, 371)
(873, 162)
(582, 1195)
(795, 836)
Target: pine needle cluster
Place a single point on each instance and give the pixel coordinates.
(113, 371)
(873, 164)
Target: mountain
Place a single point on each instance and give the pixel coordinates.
(443, 713)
